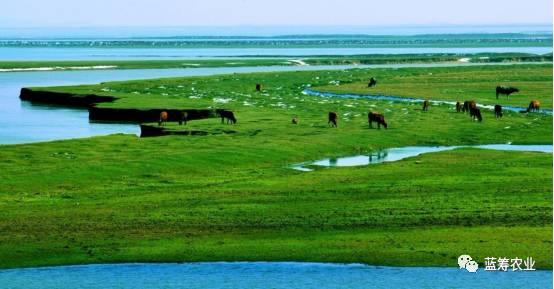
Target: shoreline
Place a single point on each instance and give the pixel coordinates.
(7, 66)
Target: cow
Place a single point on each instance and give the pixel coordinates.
(498, 111)
(425, 105)
(258, 87)
(295, 120)
(372, 82)
(468, 105)
(534, 105)
(458, 106)
(333, 117)
(184, 117)
(376, 117)
(229, 115)
(475, 113)
(505, 90)
(163, 118)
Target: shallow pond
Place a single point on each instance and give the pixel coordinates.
(396, 154)
(264, 275)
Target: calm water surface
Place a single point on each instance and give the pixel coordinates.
(396, 154)
(16, 53)
(275, 275)
(23, 122)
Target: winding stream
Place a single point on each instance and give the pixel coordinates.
(410, 99)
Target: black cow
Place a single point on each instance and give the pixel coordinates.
(458, 106)
(184, 117)
(505, 90)
(425, 105)
(229, 115)
(475, 113)
(498, 111)
(333, 117)
(372, 82)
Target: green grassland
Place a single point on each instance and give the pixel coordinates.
(233, 196)
(280, 61)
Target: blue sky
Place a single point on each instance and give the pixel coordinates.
(32, 13)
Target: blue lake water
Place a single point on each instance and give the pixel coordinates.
(54, 53)
(23, 122)
(262, 275)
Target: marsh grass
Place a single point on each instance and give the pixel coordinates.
(232, 196)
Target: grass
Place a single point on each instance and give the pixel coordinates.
(232, 196)
(278, 61)
(455, 84)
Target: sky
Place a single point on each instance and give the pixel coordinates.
(156, 13)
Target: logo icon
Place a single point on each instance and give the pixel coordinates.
(466, 262)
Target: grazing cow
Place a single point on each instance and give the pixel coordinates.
(258, 87)
(475, 113)
(468, 105)
(376, 117)
(295, 120)
(535, 105)
(458, 106)
(498, 111)
(184, 117)
(163, 118)
(229, 115)
(372, 82)
(505, 90)
(333, 117)
(425, 105)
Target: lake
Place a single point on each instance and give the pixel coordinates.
(23, 122)
(275, 275)
(63, 53)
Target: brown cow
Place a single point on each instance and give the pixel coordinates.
(184, 117)
(333, 117)
(425, 105)
(377, 117)
(498, 111)
(458, 106)
(468, 105)
(229, 115)
(535, 105)
(163, 118)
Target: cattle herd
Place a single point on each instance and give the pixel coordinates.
(469, 106)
